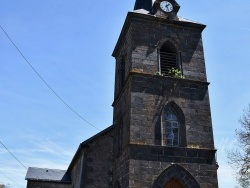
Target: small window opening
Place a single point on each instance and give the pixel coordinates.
(168, 59)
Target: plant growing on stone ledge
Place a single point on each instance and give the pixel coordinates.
(176, 73)
(195, 146)
(159, 74)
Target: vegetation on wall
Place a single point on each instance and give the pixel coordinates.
(173, 72)
(176, 73)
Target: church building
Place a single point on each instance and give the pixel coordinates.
(162, 134)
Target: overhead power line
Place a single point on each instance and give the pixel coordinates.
(13, 155)
(45, 82)
(11, 179)
(15, 158)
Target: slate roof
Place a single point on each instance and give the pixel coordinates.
(45, 174)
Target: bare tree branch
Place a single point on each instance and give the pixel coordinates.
(239, 158)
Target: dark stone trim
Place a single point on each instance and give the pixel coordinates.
(191, 85)
(176, 172)
(168, 86)
(171, 154)
(169, 78)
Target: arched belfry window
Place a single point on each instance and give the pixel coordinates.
(172, 128)
(168, 58)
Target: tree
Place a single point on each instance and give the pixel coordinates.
(4, 186)
(239, 158)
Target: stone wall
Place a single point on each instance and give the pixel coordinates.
(124, 56)
(145, 173)
(76, 172)
(98, 158)
(121, 119)
(143, 36)
(121, 138)
(150, 94)
(149, 36)
(145, 159)
(121, 170)
(148, 166)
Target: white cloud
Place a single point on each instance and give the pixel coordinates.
(225, 143)
(54, 148)
(41, 153)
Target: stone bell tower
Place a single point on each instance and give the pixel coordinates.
(163, 130)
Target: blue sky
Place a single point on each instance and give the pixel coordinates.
(70, 44)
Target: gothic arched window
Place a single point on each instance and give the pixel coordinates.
(172, 128)
(168, 59)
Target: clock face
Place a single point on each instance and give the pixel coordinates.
(166, 6)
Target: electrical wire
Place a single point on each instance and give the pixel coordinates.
(13, 155)
(11, 179)
(45, 82)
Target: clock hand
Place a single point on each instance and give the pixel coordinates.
(167, 6)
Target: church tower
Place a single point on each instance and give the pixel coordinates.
(162, 134)
(163, 131)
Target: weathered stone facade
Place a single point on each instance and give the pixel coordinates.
(93, 162)
(143, 153)
(135, 151)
